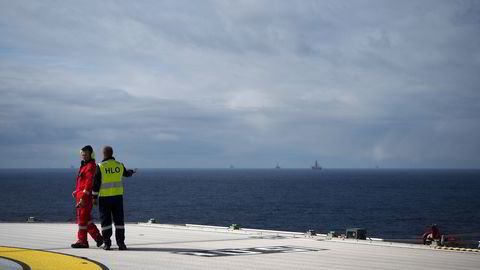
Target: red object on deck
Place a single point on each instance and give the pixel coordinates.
(433, 233)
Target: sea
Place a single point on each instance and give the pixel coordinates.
(388, 203)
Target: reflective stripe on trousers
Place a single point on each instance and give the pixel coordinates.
(109, 227)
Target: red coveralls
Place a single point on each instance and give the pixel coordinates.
(84, 191)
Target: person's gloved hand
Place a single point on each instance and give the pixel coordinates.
(80, 204)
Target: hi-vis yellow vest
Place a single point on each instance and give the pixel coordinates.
(112, 178)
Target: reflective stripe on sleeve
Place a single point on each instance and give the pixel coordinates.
(94, 193)
(82, 227)
(119, 227)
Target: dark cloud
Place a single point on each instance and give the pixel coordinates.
(206, 84)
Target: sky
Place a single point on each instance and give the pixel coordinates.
(250, 83)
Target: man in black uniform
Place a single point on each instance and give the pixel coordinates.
(108, 186)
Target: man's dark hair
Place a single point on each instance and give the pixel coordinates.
(87, 148)
(108, 151)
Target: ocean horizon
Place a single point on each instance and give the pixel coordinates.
(388, 202)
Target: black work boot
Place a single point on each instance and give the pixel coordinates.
(122, 246)
(79, 244)
(107, 245)
(99, 241)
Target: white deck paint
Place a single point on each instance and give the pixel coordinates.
(171, 247)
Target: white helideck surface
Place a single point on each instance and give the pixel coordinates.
(155, 246)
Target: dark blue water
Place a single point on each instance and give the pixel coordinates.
(388, 203)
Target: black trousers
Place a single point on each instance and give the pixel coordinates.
(109, 207)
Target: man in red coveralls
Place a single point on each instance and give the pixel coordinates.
(83, 195)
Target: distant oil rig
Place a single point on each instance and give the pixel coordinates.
(316, 166)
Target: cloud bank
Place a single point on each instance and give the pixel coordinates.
(249, 83)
